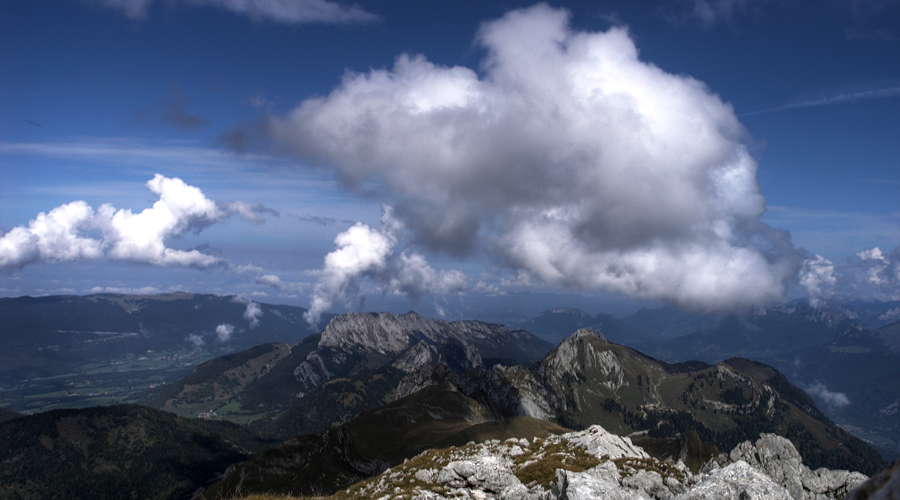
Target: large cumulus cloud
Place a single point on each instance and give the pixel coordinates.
(565, 156)
(74, 231)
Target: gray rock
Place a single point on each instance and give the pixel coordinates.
(738, 481)
(599, 442)
(882, 486)
(486, 473)
(426, 475)
(648, 482)
(778, 458)
(587, 486)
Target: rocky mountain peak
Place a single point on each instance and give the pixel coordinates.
(588, 332)
(381, 332)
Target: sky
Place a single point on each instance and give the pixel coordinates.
(464, 159)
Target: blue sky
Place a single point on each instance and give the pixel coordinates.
(500, 157)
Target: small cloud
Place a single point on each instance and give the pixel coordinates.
(365, 252)
(247, 268)
(832, 399)
(253, 311)
(196, 340)
(250, 212)
(275, 281)
(817, 278)
(224, 332)
(835, 98)
(271, 280)
(322, 221)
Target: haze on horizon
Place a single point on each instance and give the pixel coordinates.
(456, 159)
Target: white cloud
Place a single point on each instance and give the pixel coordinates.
(56, 236)
(365, 252)
(281, 11)
(141, 237)
(250, 212)
(870, 275)
(196, 340)
(224, 332)
(247, 268)
(272, 280)
(569, 158)
(69, 232)
(253, 311)
(832, 399)
(837, 98)
(817, 278)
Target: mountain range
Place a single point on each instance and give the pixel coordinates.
(845, 355)
(333, 397)
(354, 365)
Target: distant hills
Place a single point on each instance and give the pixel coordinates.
(114, 452)
(69, 351)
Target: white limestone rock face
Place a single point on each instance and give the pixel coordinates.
(599, 442)
(778, 458)
(490, 474)
(588, 485)
(625, 472)
(417, 356)
(738, 481)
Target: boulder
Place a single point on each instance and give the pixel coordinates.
(778, 458)
(738, 481)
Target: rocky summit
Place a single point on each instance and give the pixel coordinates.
(353, 340)
(594, 463)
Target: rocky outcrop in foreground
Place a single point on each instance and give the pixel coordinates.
(597, 464)
(882, 486)
(778, 458)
